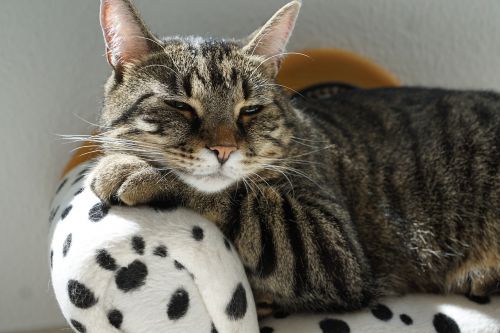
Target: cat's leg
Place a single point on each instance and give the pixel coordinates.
(124, 178)
(484, 283)
(264, 303)
(477, 279)
(485, 274)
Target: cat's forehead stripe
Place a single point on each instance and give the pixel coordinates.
(245, 87)
(196, 68)
(186, 84)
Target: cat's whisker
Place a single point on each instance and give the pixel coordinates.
(292, 170)
(265, 181)
(281, 85)
(249, 178)
(122, 142)
(308, 140)
(253, 185)
(274, 56)
(164, 176)
(86, 146)
(262, 179)
(122, 149)
(305, 144)
(271, 168)
(247, 186)
(119, 147)
(88, 122)
(288, 160)
(315, 151)
(72, 138)
(150, 39)
(90, 152)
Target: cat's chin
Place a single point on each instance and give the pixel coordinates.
(209, 183)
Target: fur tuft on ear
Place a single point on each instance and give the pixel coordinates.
(127, 38)
(270, 41)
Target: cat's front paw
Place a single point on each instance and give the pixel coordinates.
(125, 178)
(264, 303)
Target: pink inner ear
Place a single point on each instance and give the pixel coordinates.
(124, 34)
(274, 41)
(271, 40)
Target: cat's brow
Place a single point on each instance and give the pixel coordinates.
(125, 116)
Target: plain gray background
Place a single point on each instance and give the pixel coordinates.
(52, 70)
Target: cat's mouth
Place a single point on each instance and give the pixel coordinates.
(214, 175)
(209, 175)
(210, 182)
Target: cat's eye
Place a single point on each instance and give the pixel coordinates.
(250, 110)
(181, 106)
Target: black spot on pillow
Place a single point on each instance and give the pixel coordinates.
(213, 330)
(51, 259)
(237, 306)
(131, 277)
(78, 179)
(84, 171)
(227, 244)
(98, 211)
(178, 304)
(79, 191)
(197, 233)
(138, 244)
(406, 319)
(52, 214)
(67, 244)
(115, 318)
(444, 324)
(59, 188)
(81, 296)
(78, 326)
(382, 312)
(66, 212)
(266, 329)
(160, 251)
(281, 314)
(105, 260)
(334, 326)
(479, 299)
(178, 265)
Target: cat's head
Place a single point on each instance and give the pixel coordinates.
(208, 110)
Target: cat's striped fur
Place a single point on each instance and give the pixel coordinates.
(330, 203)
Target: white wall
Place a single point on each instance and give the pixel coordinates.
(52, 70)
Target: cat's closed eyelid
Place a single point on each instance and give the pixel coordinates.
(179, 105)
(251, 110)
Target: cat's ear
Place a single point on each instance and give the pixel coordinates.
(270, 40)
(127, 38)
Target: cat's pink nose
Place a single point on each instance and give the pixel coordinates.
(223, 152)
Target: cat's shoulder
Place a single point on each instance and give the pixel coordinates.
(396, 97)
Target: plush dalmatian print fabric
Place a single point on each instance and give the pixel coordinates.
(166, 269)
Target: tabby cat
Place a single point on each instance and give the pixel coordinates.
(332, 203)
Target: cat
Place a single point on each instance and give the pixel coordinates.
(330, 203)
